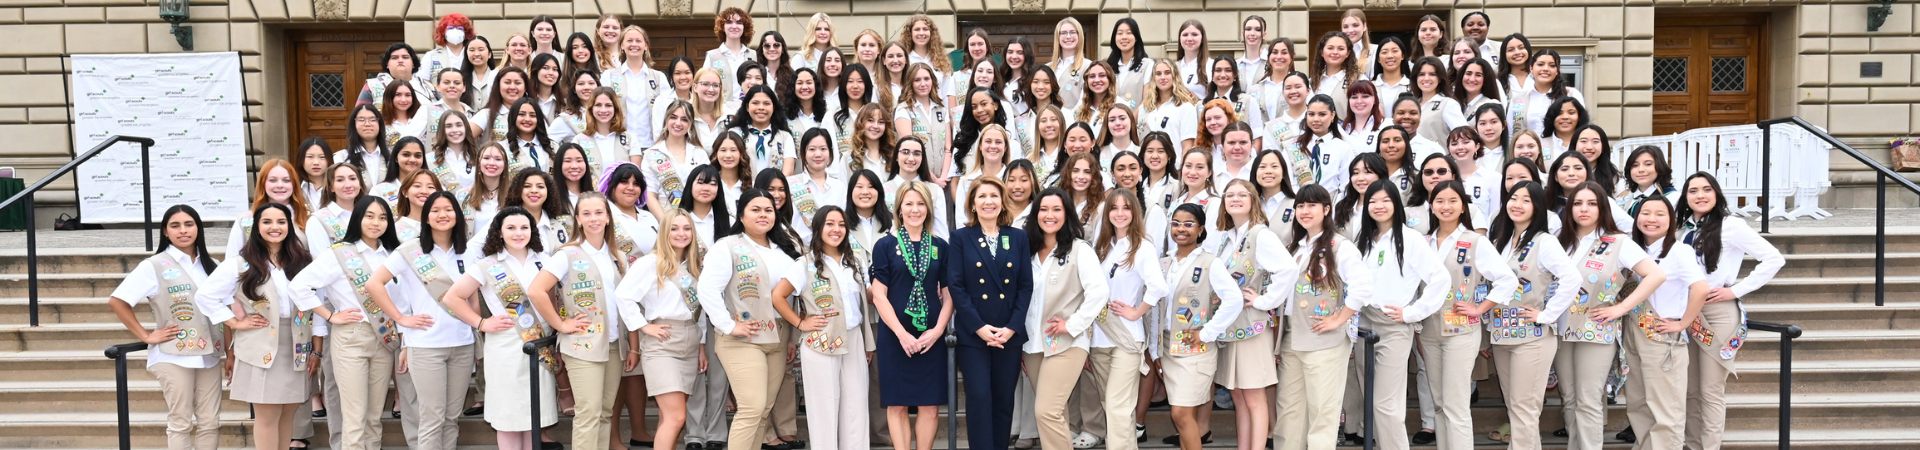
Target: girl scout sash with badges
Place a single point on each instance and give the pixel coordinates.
(428, 269)
(1312, 303)
(660, 165)
(174, 306)
(1063, 274)
(822, 298)
(747, 290)
(388, 191)
(449, 178)
(803, 201)
(355, 267)
(624, 243)
(583, 293)
(595, 154)
(1241, 264)
(378, 87)
(1468, 285)
(1194, 304)
(1508, 327)
(513, 301)
(1599, 286)
(335, 228)
(406, 229)
(258, 346)
(1116, 329)
(499, 123)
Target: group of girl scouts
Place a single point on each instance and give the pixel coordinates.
(1101, 236)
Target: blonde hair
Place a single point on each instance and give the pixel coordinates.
(900, 198)
(607, 234)
(815, 21)
(1083, 53)
(1006, 215)
(647, 56)
(600, 50)
(1255, 214)
(935, 46)
(878, 41)
(719, 102)
(980, 157)
(507, 54)
(1178, 92)
(668, 260)
(619, 122)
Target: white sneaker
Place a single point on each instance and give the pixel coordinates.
(1085, 440)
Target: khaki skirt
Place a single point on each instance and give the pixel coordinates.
(279, 384)
(1189, 378)
(1249, 363)
(672, 364)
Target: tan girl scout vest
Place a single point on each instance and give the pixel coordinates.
(1313, 302)
(1193, 304)
(1508, 328)
(1242, 265)
(1432, 124)
(1116, 327)
(1302, 164)
(747, 291)
(660, 164)
(1468, 285)
(804, 203)
(1063, 296)
(358, 272)
(447, 175)
(595, 154)
(258, 346)
(583, 294)
(174, 305)
(513, 300)
(378, 87)
(821, 297)
(1599, 286)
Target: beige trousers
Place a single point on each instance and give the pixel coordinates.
(441, 377)
(1450, 361)
(1656, 393)
(363, 368)
(786, 408)
(1706, 398)
(1084, 411)
(1523, 379)
(1391, 356)
(408, 401)
(1119, 374)
(838, 419)
(1055, 377)
(1583, 369)
(755, 371)
(595, 386)
(1311, 384)
(193, 405)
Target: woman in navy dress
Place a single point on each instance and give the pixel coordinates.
(990, 282)
(907, 289)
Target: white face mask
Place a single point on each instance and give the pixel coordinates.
(456, 36)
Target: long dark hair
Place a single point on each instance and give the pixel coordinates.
(1138, 55)
(199, 235)
(893, 166)
(1405, 59)
(1213, 90)
(1372, 162)
(1706, 242)
(1415, 189)
(1370, 227)
(880, 213)
(1504, 232)
(1662, 172)
(293, 254)
(780, 240)
(393, 164)
(818, 103)
(586, 179)
(1466, 202)
(783, 216)
(1603, 222)
(1321, 265)
(1173, 158)
(1286, 177)
(840, 117)
(1070, 228)
(781, 72)
(1559, 88)
(495, 244)
(1673, 224)
(1556, 193)
(721, 219)
(466, 63)
(1506, 68)
(539, 130)
(1602, 168)
(459, 223)
(1441, 86)
(388, 239)
(1333, 129)
(1499, 111)
(357, 150)
(1489, 88)
(818, 247)
(549, 206)
(969, 130)
(1426, 195)
(777, 122)
(1139, 191)
(1026, 88)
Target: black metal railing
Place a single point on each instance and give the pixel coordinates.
(25, 198)
(1788, 332)
(1366, 389)
(953, 392)
(532, 349)
(118, 354)
(1881, 175)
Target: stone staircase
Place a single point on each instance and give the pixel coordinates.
(1856, 374)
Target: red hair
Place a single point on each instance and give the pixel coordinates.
(451, 19)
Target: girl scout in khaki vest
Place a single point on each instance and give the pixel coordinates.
(1119, 334)
(1450, 339)
(1254, 256)
(1656, 340)
(185, 345)
(439, 351)
(509, 252)
(586, 316)
(835, 334)
(363, 349)
(1330, 289)
(1588, 331)
(1062, 312)
(735, 296)
(1204, 304)
(273, 341)
(672, 333)
(1721, 245)
(1522, 329)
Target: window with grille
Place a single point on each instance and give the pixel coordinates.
(1730, 74)
(328, 90)
(1669, 74)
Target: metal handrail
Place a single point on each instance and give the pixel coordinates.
(953, 392)
(1788, 332)
(26, 198)
(1366, 390)
(118, 354)
(532, 349)
(1881, 174)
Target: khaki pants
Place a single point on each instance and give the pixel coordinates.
(1706, 398)
(786, 408)
(1657, 391)
(1449, 364)
(362, 368)
(1311, 384)
(707, 407)
(1583, 369)
(407, 399)
(1054, 378)
(322, 383)
(441, 377)
(755, 371)
(193, 405)
(1523, 379)
(1084, 411)
(595, 385)
(1389, 380)
(838, 419)
(1119, 374)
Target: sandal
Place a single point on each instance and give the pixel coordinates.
(303, 444)
(1502, 434)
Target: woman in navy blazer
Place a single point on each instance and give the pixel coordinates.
(990, 280)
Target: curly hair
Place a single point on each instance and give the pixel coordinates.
(720, 23)
(451, 20)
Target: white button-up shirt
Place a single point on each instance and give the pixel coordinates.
(410, 297)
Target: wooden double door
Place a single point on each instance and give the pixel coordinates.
(329, 68)
(1709, 70)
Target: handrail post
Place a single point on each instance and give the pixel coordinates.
(532, 349)
(1788, 332)
(953, 393)
(146, 185)
(118, 354)
(1880, 241)
(1766, 177)
(33, 266)
(1372, 339)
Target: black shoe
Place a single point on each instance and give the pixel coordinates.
(544, 445)
(1626, 435)
(303, 444)
(1560, 432)
(1269, 443)
(320, 413)
(1423, 437)
(637, 444)
(474, 411)
(1353, 439)
(781, 446)
(716, 446)
(795, 444)
(693, 446)
(1173, 439)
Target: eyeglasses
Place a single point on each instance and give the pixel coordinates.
(708, 84)
(366, 120)
(1183, 224)
(1440, 171)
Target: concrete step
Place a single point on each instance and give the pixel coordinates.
(1860, 264)
(1820, 345)
(1824, 290)
(64, 336)
(80, 260)
(1839, 316)
(93, 364)
(1827, 377)
(69, 310)
(1904, 238)
(82, 284)
(92, 396)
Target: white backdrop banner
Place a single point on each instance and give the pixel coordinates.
(190, 104)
